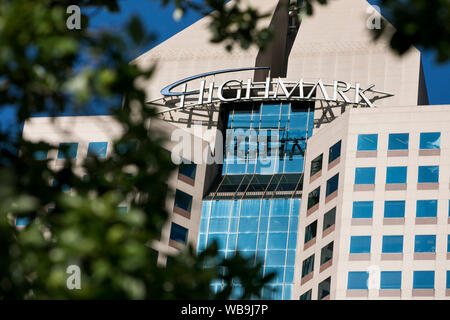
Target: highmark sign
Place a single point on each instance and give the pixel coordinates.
(238, 90)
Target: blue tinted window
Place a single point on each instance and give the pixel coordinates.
(392, 244)
(360, 244)
(97, 149)
(394, 209)
(122, 209)
(188, 170)
(398, 141)
(426, 208)
(332, 185)
(362, 209)
(335, 152)
(425, 243)
(183, 200)
(126, 147)
(307, 266)
(390, 280)
(428, 174)
(40, 155)
(178, 233)
(277, 131)
(247, 241)
(447, 286)
(430, 140)
(22, 221)
(70, 150)
(396, 174)
(423, 280)
(364, 175)
(270, 116)
(367, 142)
(357, 280)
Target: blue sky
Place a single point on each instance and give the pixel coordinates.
(160, 21)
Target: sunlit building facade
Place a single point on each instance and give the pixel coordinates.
(330, 168)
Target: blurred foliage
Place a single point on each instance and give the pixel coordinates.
(422, 23)
(46, 68)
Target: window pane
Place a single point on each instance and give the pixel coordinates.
(308, 266)
(307, 295)
(426, 208)
(311, 231)
(448, 280)
(277, 240)
(270, 116)
(364, 175)
(22, 221)
(396, 174)
(97, 149)
(329, 219)
(332, 185)
(430, 140)
(394, 209)
(313, 198)
(362, 209)
(428, 174)
(425, 243)
(335, 152)
(398, 141)
(178, 233)
(70, 150)
(357, 280)
(360, 244)
(326, 254)
(188, 170)
(392, 244)
(391, 280)
(367, 142)
(324, 288)
(423, 280)
(183, 200)
(316, 165)
(40, 155)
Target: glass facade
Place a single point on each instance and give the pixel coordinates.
(262, 229)
(266, 139)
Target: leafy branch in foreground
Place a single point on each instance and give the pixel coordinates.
(48, 69)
